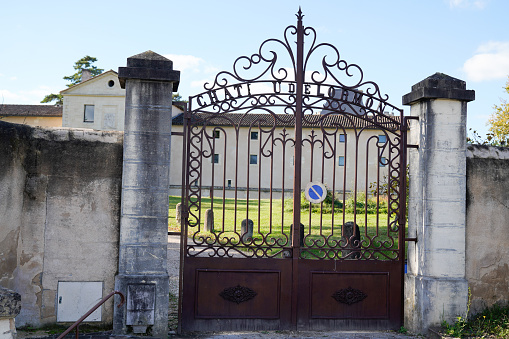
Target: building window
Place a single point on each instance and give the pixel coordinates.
(382, 139)
(254, 135)
(111, 83)
(253, 159)
(341, 161)
(341, 138)
(383, 162)
(215, 159)
(216, 134)
(229, 183)
(88, 115)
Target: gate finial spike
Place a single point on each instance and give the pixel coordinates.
(299, 14)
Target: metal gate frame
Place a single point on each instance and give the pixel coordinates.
(284, 287)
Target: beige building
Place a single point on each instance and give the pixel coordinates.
(240, 152)
(236, 149)
(97, 103)
(33, 115)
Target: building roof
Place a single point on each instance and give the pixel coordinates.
(30, 111)
(288, 120)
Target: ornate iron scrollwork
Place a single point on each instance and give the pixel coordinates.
(238, 294)
(349, 296)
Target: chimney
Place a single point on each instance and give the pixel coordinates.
(85, 75)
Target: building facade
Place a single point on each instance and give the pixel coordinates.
(32, 115)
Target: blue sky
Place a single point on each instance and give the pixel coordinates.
(397, 43)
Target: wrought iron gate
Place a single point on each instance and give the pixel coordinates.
(257, 254)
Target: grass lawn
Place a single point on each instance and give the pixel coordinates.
(272, 224)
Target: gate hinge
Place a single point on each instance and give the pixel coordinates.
(411, 239)
(412, 146)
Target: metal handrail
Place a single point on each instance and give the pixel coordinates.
(80, 320)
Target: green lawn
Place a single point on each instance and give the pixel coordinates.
(272, 222)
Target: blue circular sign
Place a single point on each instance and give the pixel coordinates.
(315, 192)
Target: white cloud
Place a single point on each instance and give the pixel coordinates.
(490, 62)
(199, 83)
(186, 62)
(7, 96)
(474, 4)
(27, 97)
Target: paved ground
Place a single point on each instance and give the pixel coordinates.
(303, 334)
(234, 335)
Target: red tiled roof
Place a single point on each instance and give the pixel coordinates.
(30, 111)
(288, 120)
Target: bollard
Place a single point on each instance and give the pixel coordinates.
(178, 212)
(246, 230)
(354, 241)
(209, 221)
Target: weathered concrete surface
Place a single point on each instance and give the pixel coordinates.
(435, 285)
(149, 79)
(60, 193)
(487, 259)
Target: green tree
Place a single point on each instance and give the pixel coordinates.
(499, 121)
(58, 98)
(83, 63)
(176, 97)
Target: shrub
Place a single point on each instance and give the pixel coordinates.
(336, 201)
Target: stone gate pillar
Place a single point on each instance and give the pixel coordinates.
(149, 80)
(435, 286)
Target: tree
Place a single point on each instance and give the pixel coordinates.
(83, 63)
(499, 122)
(51, 97)
(176, 97)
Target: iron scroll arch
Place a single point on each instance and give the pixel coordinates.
(319, 90)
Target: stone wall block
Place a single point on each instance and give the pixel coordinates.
(149, 94)
(147, 147)
(137, 174)
(145, 202)
(445, 185)
(152, 120)
(145, 259)
(145, 230)
(444, 213)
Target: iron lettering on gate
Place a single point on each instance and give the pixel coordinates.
(283, 118)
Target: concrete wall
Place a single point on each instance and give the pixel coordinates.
(60, 198)
(487, 234)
